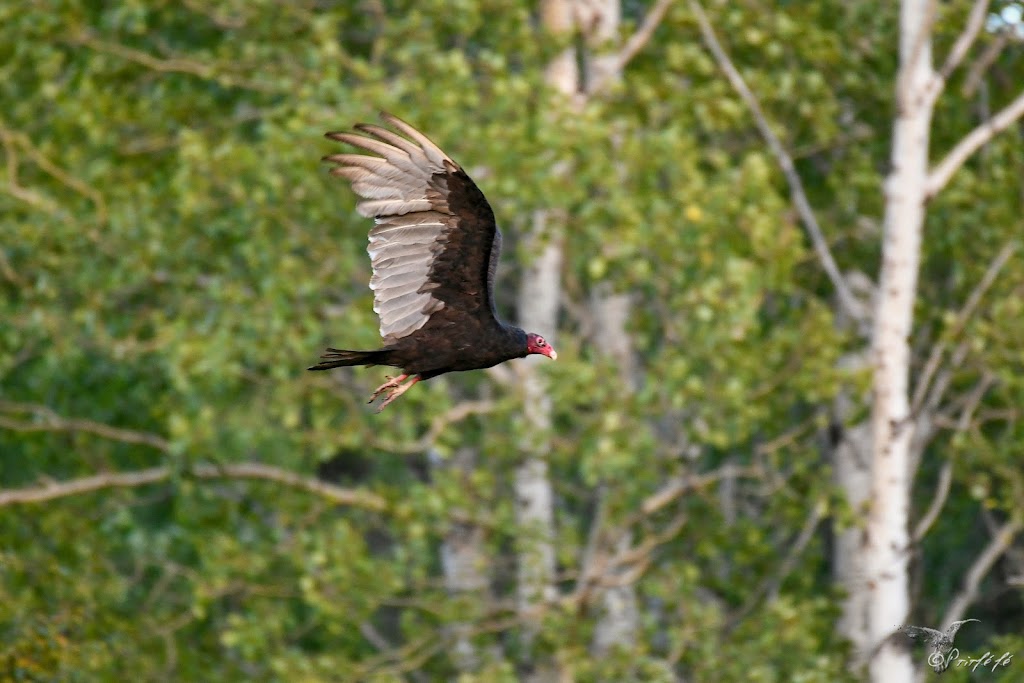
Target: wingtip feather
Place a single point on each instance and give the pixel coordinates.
(435, 153)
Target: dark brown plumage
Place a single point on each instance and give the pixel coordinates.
(434, 249)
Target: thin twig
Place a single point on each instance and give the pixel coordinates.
(961, 320)
(244, 470)
(797, 193)
(944, 378)
(46, 420)
(982, 64)
(680, 485)
(967, 404)
(7, 270)
(182, 65)
(8, 140)
(439, 424)
(938, 502)
(979, 569)
(369, 631)
(941, 174)
(635, 43)
(770, 585)
(964, 41)
(173, 65)
(626, 566)
(59, 174)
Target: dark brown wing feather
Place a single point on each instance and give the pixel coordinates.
(435, 244)
(928, 635)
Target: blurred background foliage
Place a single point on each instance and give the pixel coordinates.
(172, 257)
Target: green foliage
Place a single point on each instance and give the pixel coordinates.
(172, 257)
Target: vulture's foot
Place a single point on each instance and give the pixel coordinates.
(398, 391)
(390, 384)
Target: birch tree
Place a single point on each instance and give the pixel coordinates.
(908, 188)
(886, 541)
(538, 306)
(171, 254)
(875, 463)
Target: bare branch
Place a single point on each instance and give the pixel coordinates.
(643, 34)
(221, 20)
(973, 400)
(944, 379)
(46, 420)
(374, 636)
(245, 470)
(803, 539)
(938, 501)
(980, 568)
(55, 171)
(961, 320)
(681, 485)
(649, 544)
(7, 270)
(182, 65)
(943, 171)
(458, 413)
(13, 188)
(982, 64)
(769, 587)
(964, 41)
(797, 193)
(370, 632)
(173, 65)
(626, 566)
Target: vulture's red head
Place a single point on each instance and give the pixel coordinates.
(536, 344)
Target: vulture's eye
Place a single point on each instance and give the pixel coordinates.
(541, 342)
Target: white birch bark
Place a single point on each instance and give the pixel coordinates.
(851, 471)
(618, 622)
(538, 303)
(539, 292)
(886, 539)
(619, 618)
(463, 563)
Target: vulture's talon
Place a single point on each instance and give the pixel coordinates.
(398, 391)
(391, 383)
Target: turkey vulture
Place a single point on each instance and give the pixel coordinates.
(940, 643)
(434, 249)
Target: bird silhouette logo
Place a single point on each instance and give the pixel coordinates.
(939, 642)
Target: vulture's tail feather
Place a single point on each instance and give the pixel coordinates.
(339, 358)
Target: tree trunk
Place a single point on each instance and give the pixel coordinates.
(620, 614)
(538, 303)
(886, 540)
(600, 20)
(463, 562)
(851, 471)
(538, 308)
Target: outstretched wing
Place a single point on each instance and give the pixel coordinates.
(928, 635)
(435, 243)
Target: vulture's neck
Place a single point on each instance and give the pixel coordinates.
(513, 341)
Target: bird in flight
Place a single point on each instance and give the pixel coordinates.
(939, 642)
(434, 248)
